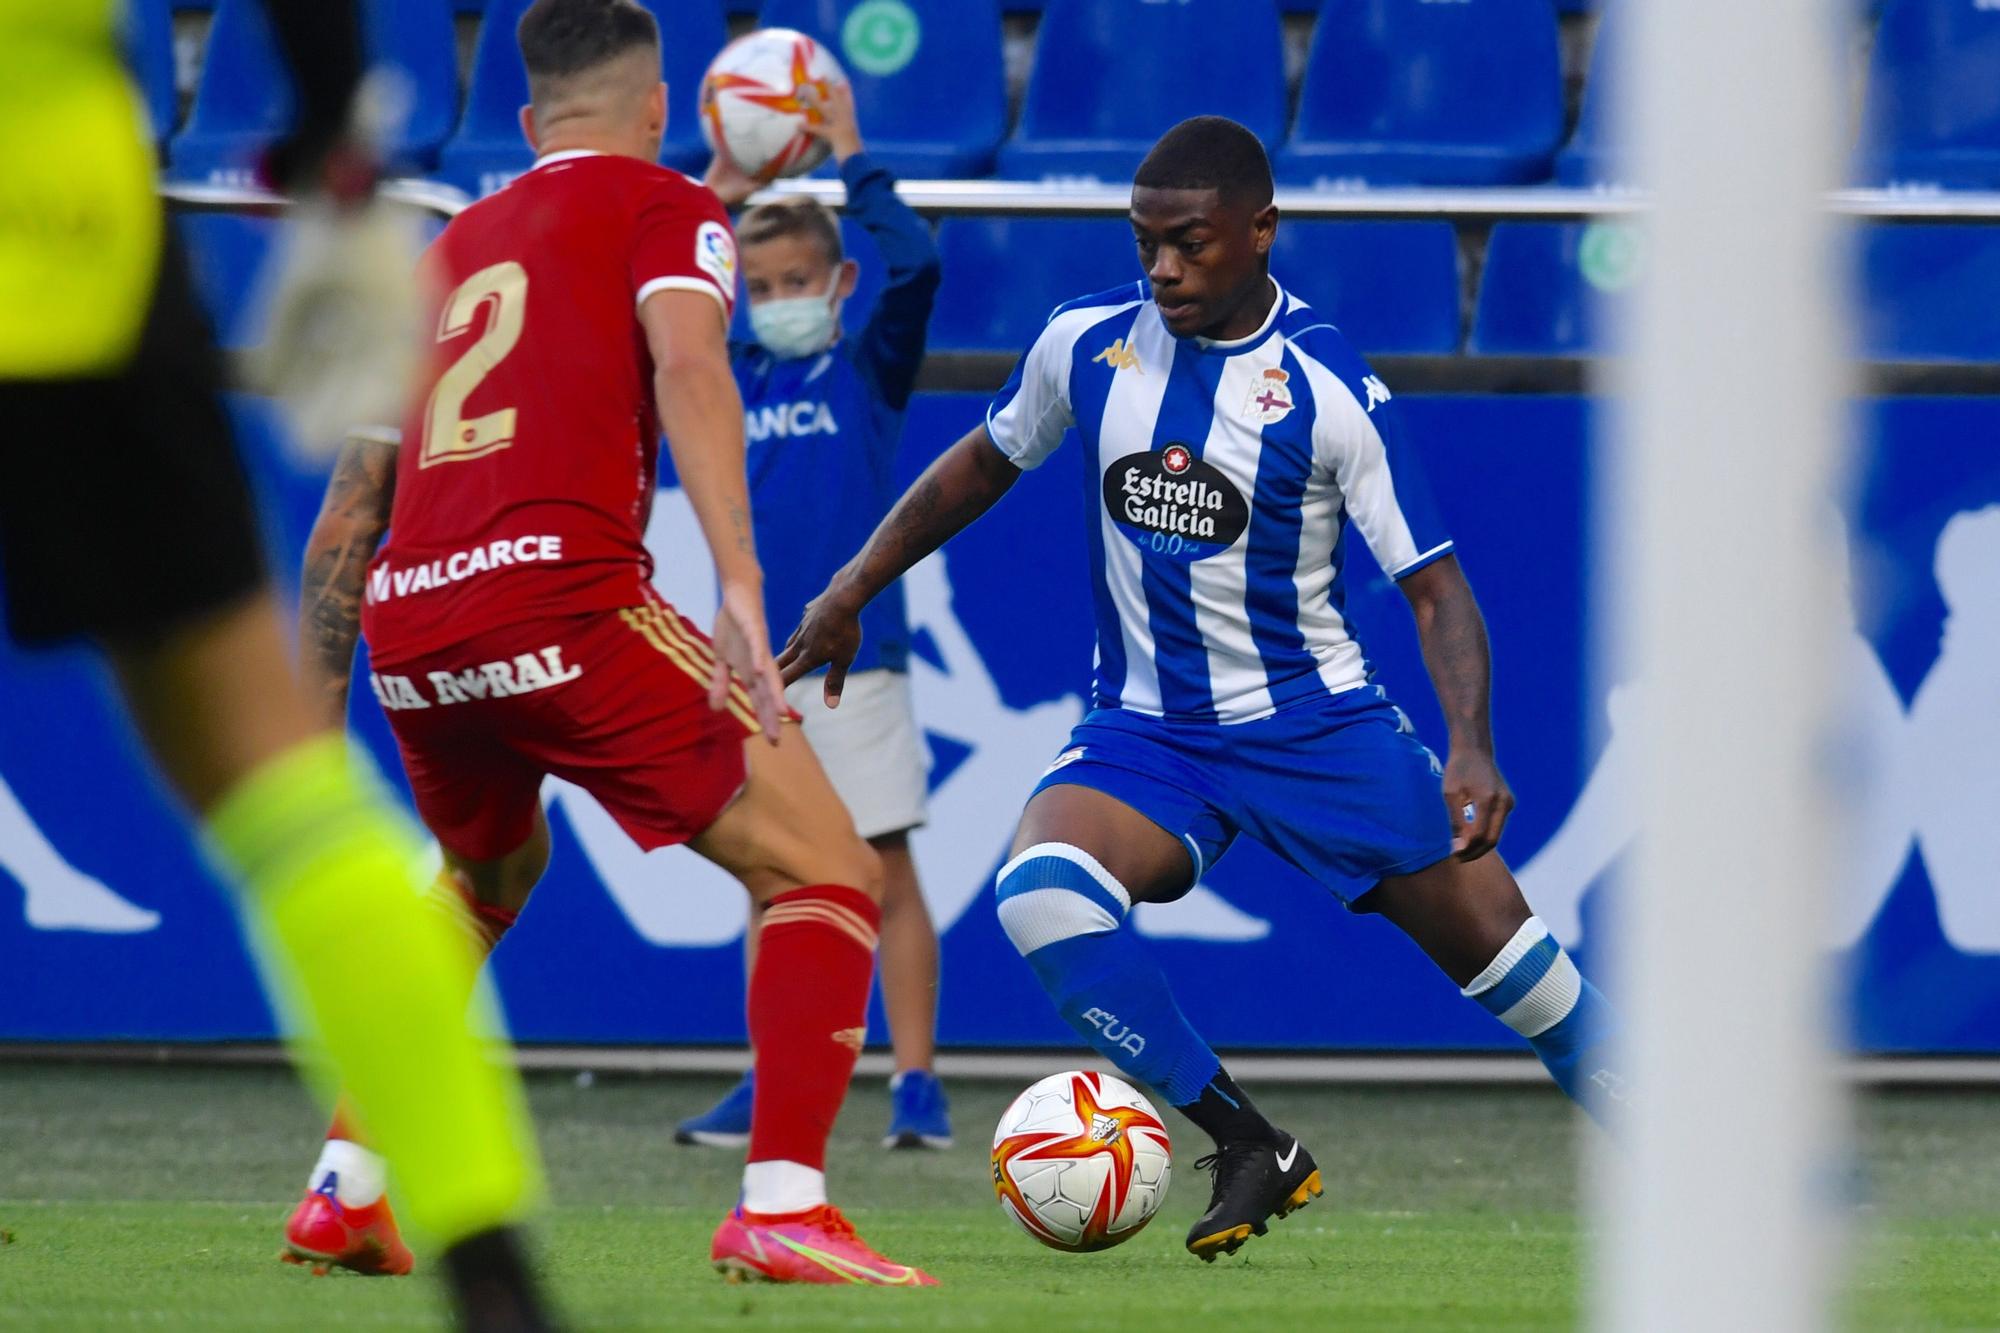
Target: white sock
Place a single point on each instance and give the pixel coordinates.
(782, 1187)
(359, 1176)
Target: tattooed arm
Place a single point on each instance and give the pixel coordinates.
(351, 522)
(1453, 636)
(961, 485)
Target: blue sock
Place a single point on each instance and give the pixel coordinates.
(1066, 915)
(1534, 988)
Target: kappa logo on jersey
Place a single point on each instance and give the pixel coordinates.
(1121, 356)
(1173, 504)
(715, 255)
(1378, 392)
(523, 674)
(789, 421)
(1270, 397)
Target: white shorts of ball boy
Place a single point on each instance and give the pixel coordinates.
(870, 747)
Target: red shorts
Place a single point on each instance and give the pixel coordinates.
(613, 701)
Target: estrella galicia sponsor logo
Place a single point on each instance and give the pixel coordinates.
(1173, 504)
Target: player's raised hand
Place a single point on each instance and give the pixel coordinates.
(1478, 799)
(837, 122)
(742, 646)
(829, 635)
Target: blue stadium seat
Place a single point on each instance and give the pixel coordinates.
(1002, 276)
(488, 150)
(1548, 288)
(227, 252)
(1930, 293)
(1590, 157)
(928, 77)
(149, 44)
(1392, 287)
(1429, 94)
(1933, 114)
(244, 96)
(1111, 76)
(867, 287)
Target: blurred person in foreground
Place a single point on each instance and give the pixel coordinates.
(823, 415)
(125, 520)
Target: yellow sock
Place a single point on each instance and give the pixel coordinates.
(376, 983)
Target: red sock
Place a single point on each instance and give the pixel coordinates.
(483, 925)
(808, 1016)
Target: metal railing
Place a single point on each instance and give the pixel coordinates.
(1460, 372)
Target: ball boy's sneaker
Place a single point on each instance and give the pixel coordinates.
(919, 1112)
(1252, 1181)
(818, 1245)
(724, 1125)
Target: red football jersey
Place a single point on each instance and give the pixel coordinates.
(527, 468)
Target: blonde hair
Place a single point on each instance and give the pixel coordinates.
(796, 216)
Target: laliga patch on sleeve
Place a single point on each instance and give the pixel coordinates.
(715, 255)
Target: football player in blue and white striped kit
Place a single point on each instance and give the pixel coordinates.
(1234, 438)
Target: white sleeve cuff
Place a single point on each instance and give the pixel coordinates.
(684, 285)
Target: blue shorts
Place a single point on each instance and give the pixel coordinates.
(1340, 787)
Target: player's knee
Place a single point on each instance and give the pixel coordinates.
(1053, 891)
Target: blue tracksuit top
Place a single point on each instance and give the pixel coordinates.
(823, 430)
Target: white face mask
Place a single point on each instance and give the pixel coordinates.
(797, 325)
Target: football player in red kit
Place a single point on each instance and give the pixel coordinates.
(514, 632)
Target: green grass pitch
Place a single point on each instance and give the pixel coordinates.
(151, 1199)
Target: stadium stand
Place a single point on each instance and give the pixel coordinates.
(1930, 293)
(487, 151)
(929, 79)
(1391, 287)
(242, 96)
(1002, 276)
(1933, 115)
(1403, 94)
(1546, 287)
(226, 252)
(149, 42)
(1588, 158)
(1111, 75)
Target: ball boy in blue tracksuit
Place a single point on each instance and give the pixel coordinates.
(823, 409)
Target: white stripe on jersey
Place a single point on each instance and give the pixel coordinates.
(1293, 407)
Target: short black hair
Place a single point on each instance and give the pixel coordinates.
(1209, 153)
(563, 38)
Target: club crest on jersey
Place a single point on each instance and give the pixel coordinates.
(1270, 397)
(1173, 504)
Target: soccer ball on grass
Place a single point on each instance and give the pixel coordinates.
(1081, 1161)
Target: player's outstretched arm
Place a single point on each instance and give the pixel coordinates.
(961, 485)
(351, 522)
(702, 414)
(1460, 662)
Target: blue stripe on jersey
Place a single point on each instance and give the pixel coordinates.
(1187, 411)
(1089, 385)
(1284, 465)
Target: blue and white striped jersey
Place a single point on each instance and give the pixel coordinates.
(1222, 477)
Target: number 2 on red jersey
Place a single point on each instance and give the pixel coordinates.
(449, 436)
